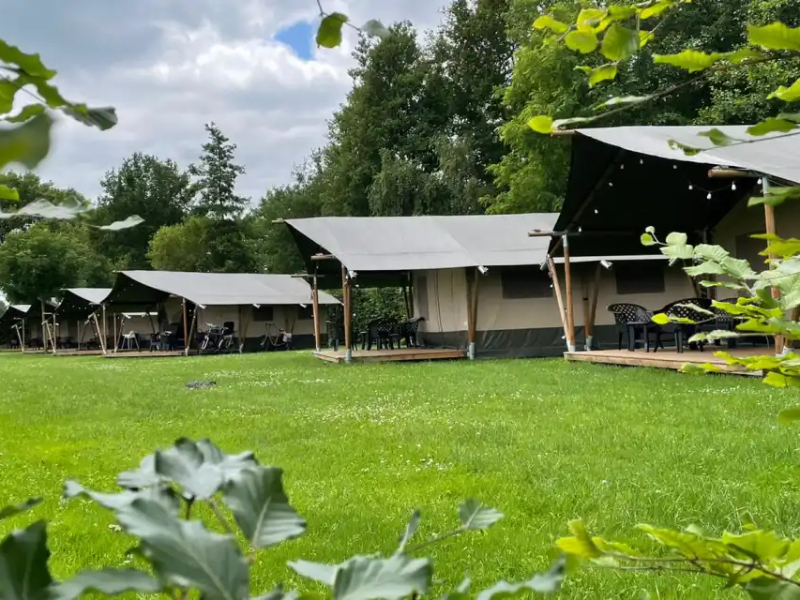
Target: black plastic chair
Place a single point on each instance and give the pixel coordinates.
(634, 322)
(682, 309)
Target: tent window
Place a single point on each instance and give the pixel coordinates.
(748, 249)
(421, 295)
(305, 313)
(263, 313)
(527, 282)
(643, 277)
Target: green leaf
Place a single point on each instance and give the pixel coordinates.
(619, 100)
(718, 137)
(26, 144)
(15, 509)
(776, 36)
(679, 252)
(185, 553)
(474, 516)
(619, 43)
(410, 530)
(660, 319)
(650, 229)
(776, 197)
(647, 240)
(766, 588)
(163, 495)
(704, 268)
(543, 583)
(656, 9)
(743, 55)
(126, 223)
(688, 544)
(690, 60)
(762, 545)
(780, 380)
(548, 22)
(329, 34)
(605, 72)
(584, 42)
(375, 28)
(30, 64)
(8, 91)
(790, 94)
(319, 572)
(109, 582)
(23, 564)
(590, 18)
(771, 125)
(102, 118)
(142, 477)
(581, 544)
(711, 252)
(541, 124)
(560, 123)
(676, 239)
(255, 496)
(687, 150)
(27, 113)
(393, 578)
(789, 415)
(782, 248)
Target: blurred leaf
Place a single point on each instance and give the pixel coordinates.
(771, 125)
(790, 94)
(474, 516)
(676, 239)
(690, 60)
(319, 572)
(660, 319)
(8, 91)
(28, 63)
(776, 36)
(27, 112)
(185, 553)
(650, 229)
(647, 240)
(602, 73)
(782, 248)
(584, 42)
(542, 583)
(762, 545)
(393, 578)
(590, 18)
(789, 415)
(688, 544)
(623, 100)
(26, 144)
(718, 137)
(255, 496)
(780, 380)
(743, 55)
(704, 268)
(699, 369)
(656, 9)
(108, 582)
(410, 530)
(711, 252)
(548, 22)
(23, 564)
(15, 509)
(560, 123)
(541, 124)
(102, 118)
(581, 544)
(131, 221)
(776, 197)
(619, 43)
(163, 495)
(688, 150)
(766, 588)
(329, 34)
(375, 29)
(142, 477)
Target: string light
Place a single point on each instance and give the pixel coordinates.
(675, 167)
(610, 184)
(709, 196)
(641, 161)
(691, 187)
(733, 187)
(596, 211)
(622, 167)
(760, 181)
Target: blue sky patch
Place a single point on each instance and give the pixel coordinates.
(299, 37)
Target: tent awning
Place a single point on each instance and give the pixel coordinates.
(402, 244)
(624, 179)
(612, 259)
(148, 288)
(79, 303)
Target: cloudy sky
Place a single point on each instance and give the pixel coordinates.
(169, 66)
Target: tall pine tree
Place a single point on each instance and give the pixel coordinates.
(216, 178)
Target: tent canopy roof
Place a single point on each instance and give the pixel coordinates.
(624, 179)
(90, 295)
(402, 244)
(81, 302)
(143, 288)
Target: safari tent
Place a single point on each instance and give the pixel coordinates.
(13, 327)
(257, 305)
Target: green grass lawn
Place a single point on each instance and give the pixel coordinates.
(543, 441)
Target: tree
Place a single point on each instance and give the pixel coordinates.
(216, 178)
(157, 190)
(37, 263)
(181, 247)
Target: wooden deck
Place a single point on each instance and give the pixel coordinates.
(668, 359)
(403, 354)
(144, 354)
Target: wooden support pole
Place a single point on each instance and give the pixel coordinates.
(769, 223)
(472, 279)
(116, 340)
(557, 289)
(317, 320)
(348, 317)
(55, 333)
(595, 293)
(188, 344)
(105, 329)
(570, 308)
(102, 339)
(23, 335)
(21, 338)
(185, 324)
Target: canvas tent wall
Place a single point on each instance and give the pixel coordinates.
(445, 258)
(253, 302)
(625, 179)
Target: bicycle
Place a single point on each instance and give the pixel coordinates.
(217, 339)
(276, 338)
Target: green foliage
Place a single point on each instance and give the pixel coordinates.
(186, 556)
(216, 175)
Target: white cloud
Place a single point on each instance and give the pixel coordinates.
(181, 64)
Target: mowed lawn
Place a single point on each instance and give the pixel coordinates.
(543, 441)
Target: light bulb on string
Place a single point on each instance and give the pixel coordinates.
(641, 161)
(596, 211)
(691, 187)
(709, 196)
(675, 167)
(622, 167)
(610, 184)
(733, 187)
(760, 181)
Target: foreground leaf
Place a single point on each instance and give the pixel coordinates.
(771, 125)
(776, 197)
(776, 36)
(319, 572)
(619, 43)
(787, 94)
(541, 124)
(261, 508)
(127, 223)
(581, 543)
(120, 501)
(26, 144)
(690, 60)
(718, 137)
(602, 73)
(584, 42)
(375, 28)
(766, 588)
(109, 582)
(393, 578)
(23, 564)
(186, 554)
(30, 64)
(185, 465)
(15, 509)
(142, 477)
(619, 100)
(7, 193)
(789, 415)
(475, 517)
(548, 22)
(543, 583)
(329, 34)
(410, 530)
